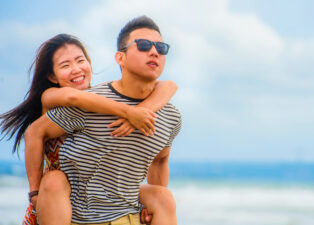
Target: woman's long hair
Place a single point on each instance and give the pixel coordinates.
(19, 118)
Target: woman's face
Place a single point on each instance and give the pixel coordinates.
(71, 68)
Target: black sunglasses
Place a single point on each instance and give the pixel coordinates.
(144, 45)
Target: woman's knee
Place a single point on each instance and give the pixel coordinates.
(54, 182)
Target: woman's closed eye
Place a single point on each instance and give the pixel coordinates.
(64, 66)
(81, 60)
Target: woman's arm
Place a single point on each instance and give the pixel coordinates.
(67, 96)
(141, 118)
(163, 92)
(35, 136)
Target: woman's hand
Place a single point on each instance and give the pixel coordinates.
(34, 201)
(138, 117)
(125, 128)
(143, 119)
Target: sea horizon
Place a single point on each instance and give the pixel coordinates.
(278, 172)
(213, 193)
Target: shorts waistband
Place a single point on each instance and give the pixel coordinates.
(130, 219)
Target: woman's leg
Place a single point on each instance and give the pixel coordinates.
(159, 201)
(53, 203)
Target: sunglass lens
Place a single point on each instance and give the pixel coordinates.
(162, 48)
(144, 45)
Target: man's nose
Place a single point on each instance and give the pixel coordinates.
(153, 51)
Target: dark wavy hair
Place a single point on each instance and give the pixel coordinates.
(19, 118)
(134, 24)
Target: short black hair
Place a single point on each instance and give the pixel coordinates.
(134, 24)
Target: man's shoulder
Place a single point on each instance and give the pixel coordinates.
(171, 111)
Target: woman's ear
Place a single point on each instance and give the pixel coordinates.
(119, 57)
(52, 78)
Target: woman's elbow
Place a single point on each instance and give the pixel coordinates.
(32, 131)
(174, 85)
(35, 131)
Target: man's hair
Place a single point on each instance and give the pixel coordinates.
(134, 24)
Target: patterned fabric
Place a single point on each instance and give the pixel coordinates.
(52, 153)
(52, 163)
(30, 216)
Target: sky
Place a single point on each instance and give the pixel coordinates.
(243, 68)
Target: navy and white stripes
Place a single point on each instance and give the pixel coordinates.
(105, 172)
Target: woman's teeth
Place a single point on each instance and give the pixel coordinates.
(78, 79)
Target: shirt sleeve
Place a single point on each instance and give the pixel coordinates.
(174, 132)
(70, 119)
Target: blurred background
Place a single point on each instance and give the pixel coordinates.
(245, 154)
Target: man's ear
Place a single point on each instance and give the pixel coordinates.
(120, 58)
(52, 78)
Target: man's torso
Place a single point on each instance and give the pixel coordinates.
(105, 172)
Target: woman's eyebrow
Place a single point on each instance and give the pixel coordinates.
(65, 61)
(80, 56)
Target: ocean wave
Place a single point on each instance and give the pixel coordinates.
(243, 205)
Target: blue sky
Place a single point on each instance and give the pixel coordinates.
(243, 68)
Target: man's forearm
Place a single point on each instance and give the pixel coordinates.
(158, 172)
(158, 175)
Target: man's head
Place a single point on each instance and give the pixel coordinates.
(134, 24)
(141, 51)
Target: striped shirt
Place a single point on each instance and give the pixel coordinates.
(105, 172)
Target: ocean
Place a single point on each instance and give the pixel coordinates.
(208, 193)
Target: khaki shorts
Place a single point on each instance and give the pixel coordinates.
(130, 219)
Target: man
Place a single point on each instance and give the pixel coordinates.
(105, 172)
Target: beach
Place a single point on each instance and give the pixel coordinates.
(205, 200)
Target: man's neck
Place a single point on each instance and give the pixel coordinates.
(134, 88)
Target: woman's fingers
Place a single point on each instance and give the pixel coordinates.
(125, 129)
(131, 129)
(144, 131)
(153, 114)
(119, 131)
(150, 126)
(116, 123)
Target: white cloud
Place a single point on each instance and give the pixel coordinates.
(209, 44)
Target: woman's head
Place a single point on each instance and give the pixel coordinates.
(60, 61)
(71, 68)
(46, 73)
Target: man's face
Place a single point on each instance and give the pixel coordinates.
(148, 65)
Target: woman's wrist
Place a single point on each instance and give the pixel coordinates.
(32, 194)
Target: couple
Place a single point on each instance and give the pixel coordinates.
(102, 167)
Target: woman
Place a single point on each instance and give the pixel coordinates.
(55, 84)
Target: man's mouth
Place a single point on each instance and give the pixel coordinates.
(152, 64)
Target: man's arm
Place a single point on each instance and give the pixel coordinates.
(36, 135)
(158, 172)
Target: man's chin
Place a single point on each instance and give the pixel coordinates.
(150, 77)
